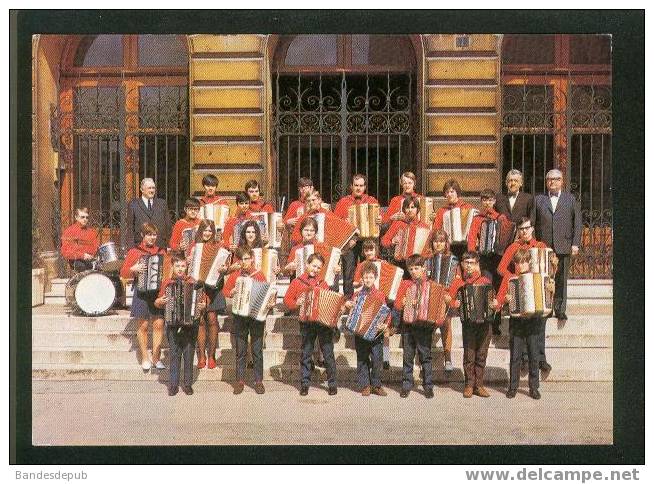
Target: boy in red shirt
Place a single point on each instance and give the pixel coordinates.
(293, 299)
(257, 204)
(242, 214)
(313, 206)
(79, 242)
(210, 184)
(394, 211)
(451, 192)
(369, 353)
(304, 188)
(143, 307)
(476, 335)
(181, 339)
(190, 221)
(244, 325)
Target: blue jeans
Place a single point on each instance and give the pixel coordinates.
(417, 337)
(244, 327)
(182, 343)
(309, 332)
(524, 332)
(369, 361)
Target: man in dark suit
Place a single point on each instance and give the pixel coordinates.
(146, 208)
(515, 204)
(558, 224)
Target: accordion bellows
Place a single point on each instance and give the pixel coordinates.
(369, 317)
(333, 231)
(495, 236)
(206, 260)
(457, 221)
(218, 212)
(157, 268)
(266, 260)
(389, 278)
(181, 308)
(426, 209)
(268, 225)
(411, 240)
(252, 298)
(530, 296)
(541, 261)
(322, 306)
(364, 217)
(441, 268)
(188, 235)
(425, 304)
(477, 303)
(332, 257)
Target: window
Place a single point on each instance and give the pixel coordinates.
(161, 50)
(528, 49)
(590, 49)
(99, 50)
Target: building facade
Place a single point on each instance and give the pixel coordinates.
(109, 110)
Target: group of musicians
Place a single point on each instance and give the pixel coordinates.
(548, 220)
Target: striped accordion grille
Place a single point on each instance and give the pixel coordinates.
(425, 304)
(322, 306)
(181, 307)
(477, 303)
(442, 268)
(412, 241)
(457, 221)
(150, 279)
(251, 298)
(364, 217)
(530, 296)
(369, 317)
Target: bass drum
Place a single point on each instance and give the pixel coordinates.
(91, 293)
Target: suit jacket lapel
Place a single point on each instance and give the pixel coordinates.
(144, 207)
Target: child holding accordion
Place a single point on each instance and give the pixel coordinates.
(183, 303)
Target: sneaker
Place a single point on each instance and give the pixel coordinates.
(535, 394)
(467, 392)
(159, 365)
(201, 363)
(146, 365)
(404, 393)
(511, 393)
(481, 392)
(448, 366)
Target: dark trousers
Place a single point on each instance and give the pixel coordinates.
(249, 326)
(476, 339)
(349, 261)
(182, 343)
(370, 356)
(524, 332)
(488, 265)
(309, 332)
(417, 337)
(81, 265)
(561, 284)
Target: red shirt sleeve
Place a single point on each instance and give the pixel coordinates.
(164, 284)
(505, 262)
(504, 286)
(394, 207)
(342, 207)
(176, 236)
(438, 219)
(473, 234)
(454, 289)
(292, 210)
(387, 239)
(230, 283)
(130, 259)
(401, 292)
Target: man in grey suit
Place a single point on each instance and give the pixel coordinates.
(558, 224)
(144, 209)
(516, 203)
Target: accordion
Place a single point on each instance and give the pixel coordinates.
(206, 260)
(322, 306)
(425, 304)
(495, 236)
(456, 222)
(530, 296)
(181, 308)
(157, 268)
(252, 298)
(442, 268)
(389, 278)
(541, 261)
(477, 303)
(364, 218)
(238, 228)
(188, 235)
(332, 257)
(268, 225)
(369, 317)
(411, 240)
(426, 209)
(300, 211)
(333, 231)
(267, 261)
(218, 212)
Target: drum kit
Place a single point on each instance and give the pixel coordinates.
(94, 292)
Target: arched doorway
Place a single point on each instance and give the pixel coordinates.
(122, 116)
(344, 104)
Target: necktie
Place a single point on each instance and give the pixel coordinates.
(150, 204)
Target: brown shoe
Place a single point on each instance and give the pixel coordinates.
(259, 388)
(379, 391)
(467, 392)
(366, 391)
(481, 392)
(238, 388)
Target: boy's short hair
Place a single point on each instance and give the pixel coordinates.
(408, 200)
(408, 174)
(369, 267)
(470, 255)
(243, 251)
(521, 255)
(81, 210)
(487, 194)
(191, 203)
(147, 228)
(360, 176)
(524, 220)
(370, 243)
(210, 181)
(177, 256)
(452, 183)
(252, 184)
(414, 260)
(304, 182)
(315, 256)
(242, 198)
(309, 221)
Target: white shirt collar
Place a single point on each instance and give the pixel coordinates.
(145, 200)
(554, 195)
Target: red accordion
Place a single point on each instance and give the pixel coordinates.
(425, 304)
(333, 231)
(389, 278)
(323, 306)
(412, 239)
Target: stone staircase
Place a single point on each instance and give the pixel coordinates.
(69, 347)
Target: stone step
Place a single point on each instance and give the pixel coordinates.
(568, 365)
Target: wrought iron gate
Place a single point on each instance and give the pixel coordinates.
(328, 128)
(113, 145)
(533, 128)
